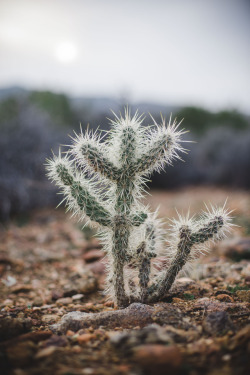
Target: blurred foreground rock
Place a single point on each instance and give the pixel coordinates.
(137, 314)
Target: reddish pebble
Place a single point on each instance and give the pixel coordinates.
(70, 333)
(158, 359)
(224, 298)
(177, 300)
(86, 337)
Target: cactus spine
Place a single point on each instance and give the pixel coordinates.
(103, 179)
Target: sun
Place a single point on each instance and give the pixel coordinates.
(66, 52)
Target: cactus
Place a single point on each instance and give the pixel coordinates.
(103, 176)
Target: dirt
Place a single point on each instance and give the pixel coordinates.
(53, 272)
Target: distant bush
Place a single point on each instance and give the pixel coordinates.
(25, 142)
(56, 105)
(199, 120)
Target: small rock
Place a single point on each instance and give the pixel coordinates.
(133, 315)
(218, 323)
(49, 318)
(210, 305)
(224, 298)
(56, 294)
(70, 333)
(78, 297)
(152, 334)
(83, 285)
(8, 302)
(9, 281)
(157, 359)
(64, 301)
(85, 337)
(243, 295)
(165, 313)
(38, 302)
(46, 352)
(177, 300)
(56, 341)
(93, 255)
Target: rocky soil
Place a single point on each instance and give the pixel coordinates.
(51, 297)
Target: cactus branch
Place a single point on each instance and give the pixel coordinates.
(90, 153)
(212, 228)
(60, 171)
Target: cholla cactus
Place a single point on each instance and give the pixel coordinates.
(103, 180)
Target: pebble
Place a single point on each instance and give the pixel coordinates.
(81, 286)
(38, 302)
(56, 294)
(45, 352)
(218, 323)
(70, 333)
(64, 301)
(151, 334)
(224, 298)
(56, 340)
(49, 318)
(177, 300)
(78, 297)
(85, 337)
(157, 358)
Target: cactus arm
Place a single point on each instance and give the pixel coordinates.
(209, 230)
(90, 153)
(144, 267)
(161, 148)
(86, 202)
(157, 150)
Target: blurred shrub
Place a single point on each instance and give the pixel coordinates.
(25, 142)
(56, 105)
(199, 120)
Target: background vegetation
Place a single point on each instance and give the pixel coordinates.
(33, 123)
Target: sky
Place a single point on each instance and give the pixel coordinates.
(182, 52)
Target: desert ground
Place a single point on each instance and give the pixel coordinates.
(50, 266)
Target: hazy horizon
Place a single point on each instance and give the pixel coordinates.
(178, 53)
